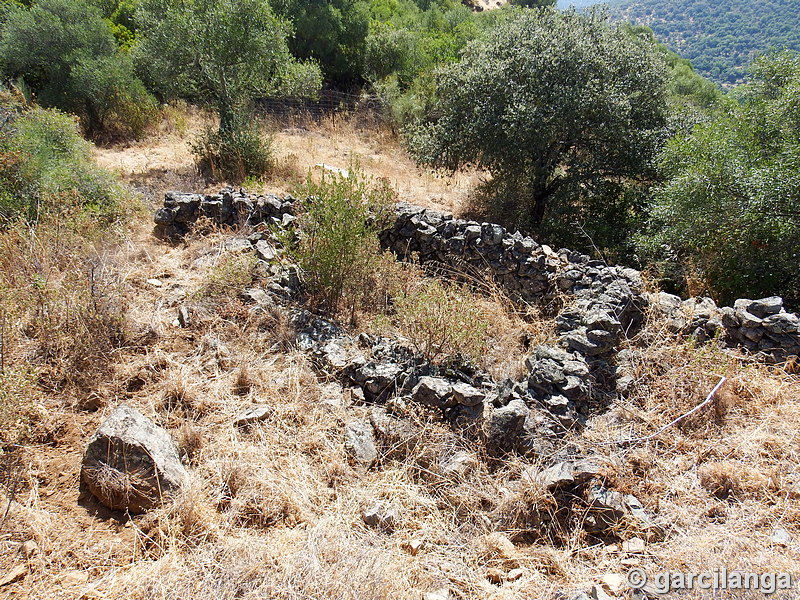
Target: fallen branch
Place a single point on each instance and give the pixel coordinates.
(646, 438)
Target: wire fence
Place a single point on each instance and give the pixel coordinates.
(330, 104)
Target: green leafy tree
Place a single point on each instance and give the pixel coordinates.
(331, 32)
(730, 208)
(66, 53)
(555, 105)
(224, 51)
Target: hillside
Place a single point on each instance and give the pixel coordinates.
(720, 38)
(283, 503)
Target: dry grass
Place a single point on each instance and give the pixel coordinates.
(275, 510)
(164, 161)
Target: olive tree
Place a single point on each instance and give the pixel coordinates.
(65, 52)
(226, 52)
(553, 105)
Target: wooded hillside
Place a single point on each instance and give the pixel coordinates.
(720, 38)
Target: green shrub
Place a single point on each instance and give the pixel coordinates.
(46, 167)
(66, 53)
(233, 155)
(339, 253)
(727, 210)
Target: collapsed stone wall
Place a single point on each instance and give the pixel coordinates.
(608, 302)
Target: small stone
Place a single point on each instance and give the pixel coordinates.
(184, 317)
(515, 574)
(360, 443)
(501, 545)
(155, 282)
(465, 394)
(257, 296)
(460, 464)
(781, 537)
(29, 549)
(634, 546)
(431, 391)
(265, 250)
(332, 395)
(566, 473)
(412, 546)
(252, 414)
(237, 245)
(380, 517)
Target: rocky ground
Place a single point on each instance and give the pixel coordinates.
(242, 445)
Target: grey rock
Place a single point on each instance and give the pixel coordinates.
(781, 537)
(164, 216)
(131, 463)
(257, 296)
(465, 394)
(459, 464)
(333, 356)
(749, 320)
(783, 323)
(432, 391)
(265, 250)
(396, 436)
(184, 317)
(360, 443)
(609, 507)
(567, 473)
(504, 426)
(237, 245)
(252, 414)
(380, 516)
(766, 306)
(379, 380)
(580, 343)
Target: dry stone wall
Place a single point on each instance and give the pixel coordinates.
(608, 302)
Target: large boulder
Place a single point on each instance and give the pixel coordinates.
(131, 463)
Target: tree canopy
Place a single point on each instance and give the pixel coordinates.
(552, 104)
(224, 51)
(730, 207)
(66, 53)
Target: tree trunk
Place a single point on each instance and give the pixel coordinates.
(540, 196)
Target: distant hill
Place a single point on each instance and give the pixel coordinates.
(562, 4)
(720, 37)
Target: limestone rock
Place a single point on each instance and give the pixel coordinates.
(380, 516)
(360, 443)
(566, 473)
(131, 463)
(432, 391)
(252, 414)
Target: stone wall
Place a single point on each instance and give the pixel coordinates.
(608, 302)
